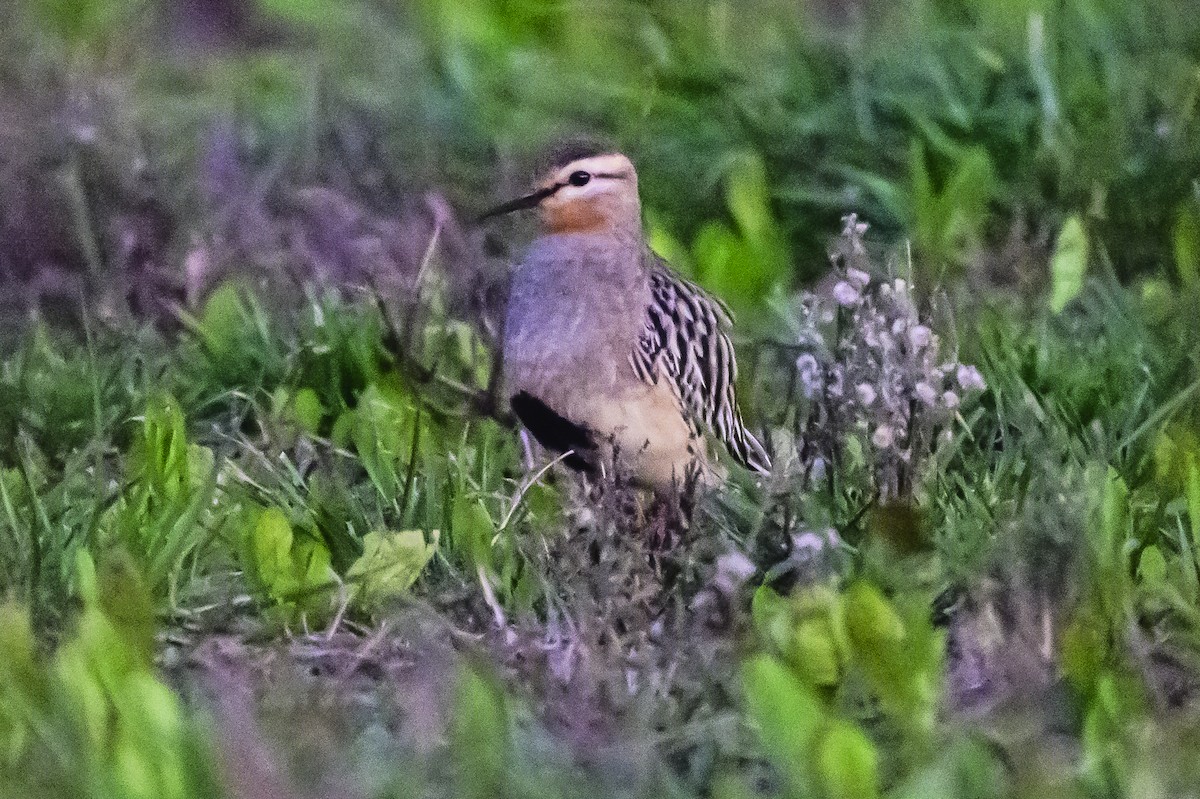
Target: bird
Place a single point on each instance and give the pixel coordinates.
(605, 347)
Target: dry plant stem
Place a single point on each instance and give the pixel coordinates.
(343, 605)
(364, 651)
(526, 485)
(489, 596)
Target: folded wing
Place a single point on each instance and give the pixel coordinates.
(685, 341)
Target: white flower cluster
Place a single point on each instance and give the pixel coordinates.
(871, 366)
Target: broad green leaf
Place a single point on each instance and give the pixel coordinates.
(161, 456)
(848, 762)
(149, 740)
(1109, 537)
(1175, 450)
(788, 715)
(271, 548)
(472, 529)
(105, 653)
(312, 565)
(21, 674)
(221, 320)
(1068, 264)
(1083, 650)
(1152, 567)
(772, 616)
(307, 411)
(964, 200)
(924, 211)
(96, 708)
(900, 654)
(152, 706)
(1158, 301)
(765, 261)
(813, 652)
(1185, 236)
(343, 428)
(728, 266)
(748, 198)
(871, 621)
(384, 424)
(1193, 499)
(126, 602)
(391, 562)
(87, 584)
(291, 566)
(81, 691)
(479, 736)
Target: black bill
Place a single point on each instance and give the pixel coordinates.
(521, 203)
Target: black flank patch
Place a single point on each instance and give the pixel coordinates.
(555, 432)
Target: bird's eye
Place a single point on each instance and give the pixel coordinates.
(579, 178)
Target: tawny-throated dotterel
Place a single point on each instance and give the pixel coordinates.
(604, 344)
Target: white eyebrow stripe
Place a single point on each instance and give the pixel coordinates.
(606, 165)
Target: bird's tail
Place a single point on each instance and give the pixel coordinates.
(748, 450)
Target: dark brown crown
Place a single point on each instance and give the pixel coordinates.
(564, 152)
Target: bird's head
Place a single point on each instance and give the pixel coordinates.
(582, 187)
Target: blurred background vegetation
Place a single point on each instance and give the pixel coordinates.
(975, 129)
(263, 531)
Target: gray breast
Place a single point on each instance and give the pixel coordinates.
(575, 310)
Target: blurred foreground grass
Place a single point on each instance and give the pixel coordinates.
(264, 532)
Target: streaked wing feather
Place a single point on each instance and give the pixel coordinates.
(686, 341)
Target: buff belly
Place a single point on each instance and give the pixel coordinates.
(642, 421)
(650, 434)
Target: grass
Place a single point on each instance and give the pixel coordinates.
(266, 531)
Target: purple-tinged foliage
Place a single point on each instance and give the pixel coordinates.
(872, 369)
